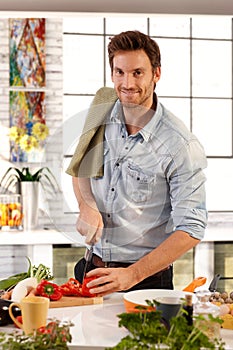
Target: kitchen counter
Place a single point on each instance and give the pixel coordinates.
(96, 326)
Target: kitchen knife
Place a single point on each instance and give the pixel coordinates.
(89, 252)
(88, 257)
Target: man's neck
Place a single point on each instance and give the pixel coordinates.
(138, 116)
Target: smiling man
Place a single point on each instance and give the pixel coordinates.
(146, 207)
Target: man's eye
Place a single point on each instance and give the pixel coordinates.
(137, 73)
(119, 72)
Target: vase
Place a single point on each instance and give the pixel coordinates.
(30, 204)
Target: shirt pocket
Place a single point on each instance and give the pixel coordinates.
(139, 185)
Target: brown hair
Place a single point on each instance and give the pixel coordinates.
(134, 40)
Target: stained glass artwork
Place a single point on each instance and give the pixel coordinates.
(27, 52)
(28, 130)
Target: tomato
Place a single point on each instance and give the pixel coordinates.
(85, 289)
(20, 320)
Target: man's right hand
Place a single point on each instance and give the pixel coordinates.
(90, 224)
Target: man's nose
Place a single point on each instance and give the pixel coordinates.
(128, 81)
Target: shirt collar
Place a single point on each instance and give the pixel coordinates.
(148, 130)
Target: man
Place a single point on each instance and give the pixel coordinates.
(146, 206)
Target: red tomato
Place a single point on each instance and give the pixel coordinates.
(85, 289)
(20, 320)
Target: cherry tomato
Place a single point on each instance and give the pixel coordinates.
(20, 320)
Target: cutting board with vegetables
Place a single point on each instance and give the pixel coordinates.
(67, 301)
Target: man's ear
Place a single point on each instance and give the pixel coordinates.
(157, 74)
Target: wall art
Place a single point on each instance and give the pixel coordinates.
(28, 129)
(27, 52)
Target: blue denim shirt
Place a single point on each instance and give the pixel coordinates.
(153, 184)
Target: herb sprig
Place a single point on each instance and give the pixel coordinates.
(55, 335)
(147, 330)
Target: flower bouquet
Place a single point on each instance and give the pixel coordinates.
(26, 139)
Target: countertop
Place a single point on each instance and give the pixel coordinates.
(96, 326)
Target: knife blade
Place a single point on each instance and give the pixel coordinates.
(88, 256)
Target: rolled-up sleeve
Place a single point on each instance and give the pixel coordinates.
(187, 189)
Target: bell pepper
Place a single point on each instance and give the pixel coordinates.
(49, 290)
(85, 290)
(71, 287)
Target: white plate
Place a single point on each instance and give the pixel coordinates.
(165, 296)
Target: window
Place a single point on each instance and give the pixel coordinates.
(196, 82)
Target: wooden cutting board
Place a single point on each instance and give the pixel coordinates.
(75, 301)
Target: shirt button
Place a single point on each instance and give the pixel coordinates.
(126, 147)
(117, 164)
(112, 189)
(108, 215)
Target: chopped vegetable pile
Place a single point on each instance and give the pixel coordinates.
(71, 288)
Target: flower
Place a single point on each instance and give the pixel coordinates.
(30, 137)
(28, 143)
(16, 133)
(40, 131)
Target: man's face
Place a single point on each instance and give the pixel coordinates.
(133, 78)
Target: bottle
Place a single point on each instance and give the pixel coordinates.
(205, 308)
(188, 307)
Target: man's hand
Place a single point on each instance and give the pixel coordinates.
(90, 224)
(110, 280)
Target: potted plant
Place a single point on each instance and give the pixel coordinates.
(26, 183)
(15, 177)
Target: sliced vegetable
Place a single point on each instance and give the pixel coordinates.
(49, 290)
(23, 288)
(85, 289)
(72, 287)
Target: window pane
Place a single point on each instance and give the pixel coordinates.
(212, 62)
(176, 26)
(116, 24)
(75, 111)
(83, 24)
(180, 107)
(75, 104)
(175, 62)
(214, 27)
(219, 185)
(212, 124)
(83, 64)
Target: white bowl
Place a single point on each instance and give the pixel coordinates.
(165, 296)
